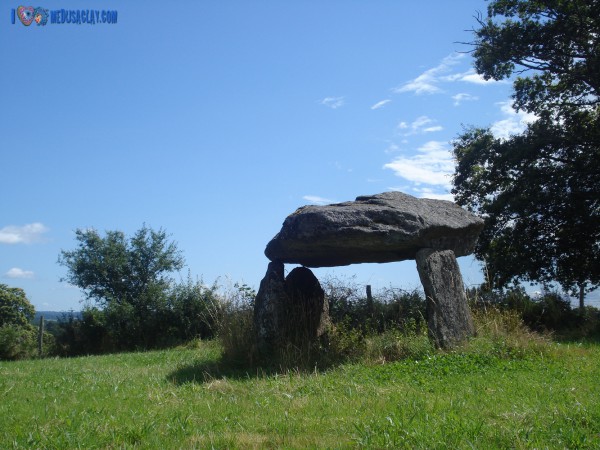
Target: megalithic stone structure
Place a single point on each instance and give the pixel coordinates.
(386, 227)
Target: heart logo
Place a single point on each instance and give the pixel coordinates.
(25, 14)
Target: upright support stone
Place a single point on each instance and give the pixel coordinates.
(448, 316)
(289, 311)
(267, 305)
(307, 313)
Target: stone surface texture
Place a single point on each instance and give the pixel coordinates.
(386, 227)
(267, 305)
(448, 317)
(289, 310)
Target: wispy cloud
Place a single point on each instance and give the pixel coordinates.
(431, 193)
(513, 123)
(315, 199)
(473, 77)
(428, 82)
(433, 165)
(420, 125)
(381, 104)
(16, 272)
(25, 234)
(463, 97)
(332, 102)
(392, 148)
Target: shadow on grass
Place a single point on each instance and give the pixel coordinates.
(206, 371)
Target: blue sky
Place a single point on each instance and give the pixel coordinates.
(216, 119)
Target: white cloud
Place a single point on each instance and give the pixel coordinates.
(463, 97)
(332, 102)
(428, 81)
(317, 200)
(433, 129)
(473, 77)
(420, 125)
(431, 193)
(26, 234)
(380, 104)
(392, 148)
(433, 165)
(513, 123)
(15, 272)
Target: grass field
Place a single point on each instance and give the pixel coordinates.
(181, 398)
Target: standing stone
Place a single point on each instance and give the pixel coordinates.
(307, 313)
(448, 316)
(267, 307)
(289, 311)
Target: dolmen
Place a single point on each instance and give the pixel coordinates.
(381, 228)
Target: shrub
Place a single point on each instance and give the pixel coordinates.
(550, 312)
(503, 333)
(345, 342)
(187, 311)
(389, 308)
(194, 310)
(395, 345)
(18, 342)
(234, 319)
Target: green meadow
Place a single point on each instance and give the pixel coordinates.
(482, 396)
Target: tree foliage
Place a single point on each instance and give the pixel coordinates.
(129, 280)
(17, 335)
(539, 191)
(115, 271)
(15, 308)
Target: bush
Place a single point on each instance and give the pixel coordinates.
(388, 309)
(194, 310)
(18, 342)
(502, 332)
(187, 311)
(395, 345)
(551, 312)
(235, 313)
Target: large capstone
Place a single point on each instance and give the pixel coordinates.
(448, 316)
(386, 227)
(289, 311)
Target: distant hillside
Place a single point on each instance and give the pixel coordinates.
(54, 315)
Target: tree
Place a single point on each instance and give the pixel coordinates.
(128, 279)
(17, 335)
(111, 269)
(538, 191)
(15, 308)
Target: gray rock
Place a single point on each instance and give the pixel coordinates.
(307, 313)
(289, 311)
(373, 229)
(448, 316)
(268, 306)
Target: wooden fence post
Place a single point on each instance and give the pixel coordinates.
(41, 337)
(370, 301)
